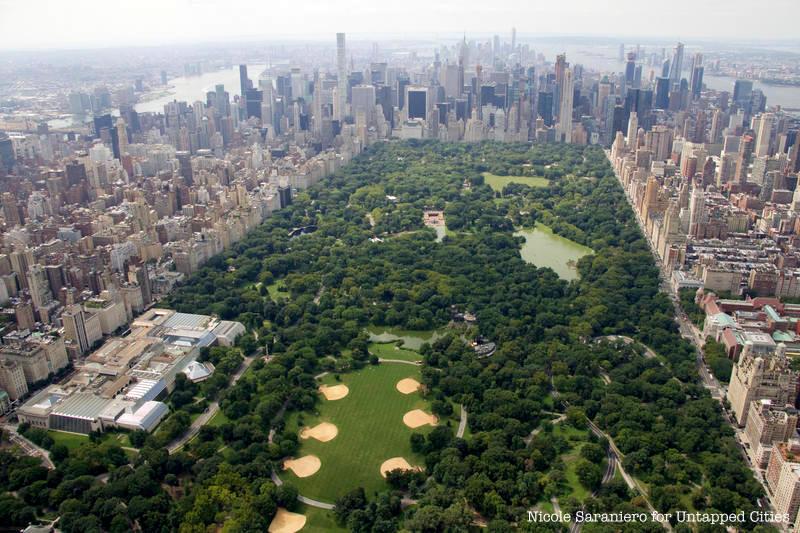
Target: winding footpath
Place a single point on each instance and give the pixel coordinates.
(208, 414)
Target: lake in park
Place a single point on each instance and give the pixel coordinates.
(544, 248)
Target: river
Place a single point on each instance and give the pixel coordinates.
(193, 88)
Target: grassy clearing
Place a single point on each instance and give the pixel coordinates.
(75, 440)
(371, 430)
(497, 183)
(391, 351)
(277, 290)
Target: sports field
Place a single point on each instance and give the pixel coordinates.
(370, 428)
(497, 183)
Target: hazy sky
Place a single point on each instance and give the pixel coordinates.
(77, 23)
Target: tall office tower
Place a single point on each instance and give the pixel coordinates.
(74, 320)
(715, 133)
(122, 136)
(452, 79)
(630, 69)
(417, 102)
(633, 130)
(244, 81)
(565, 112)
(696, 76)
(742, 92)
(341, 73)
(745, 158)
(621, 55)
(544, 107)
(763, 134)
(662, 93)
(185, 166)
(676, 66)
(794, 155)
(363, 102)
(513, 40)
(558, 69)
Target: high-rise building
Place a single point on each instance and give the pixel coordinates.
(676, 67)
(565, 109)
(341, 73)
(742, 92)
(74, 320)
(417, 102)
(244, 81)
(783, 477)
(764, 134)
(363, 102)
(185, 166)
(762, 372)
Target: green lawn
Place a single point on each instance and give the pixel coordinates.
(218, 419)
(318, 520)
(371, 430)
(277, 290)
(75, 440)
(388, 350)
(576, 438)
(497, 183)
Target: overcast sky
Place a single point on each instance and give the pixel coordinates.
(76, 23)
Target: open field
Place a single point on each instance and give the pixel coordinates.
(497, 183)
(277, 290)
(370, 431)
(388, 350)
(75, 440)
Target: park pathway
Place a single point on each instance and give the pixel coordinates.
(462, 424)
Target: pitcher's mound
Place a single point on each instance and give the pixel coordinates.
(418, 417)
(286, 522)
(303, 467)
(322, 432)
(408, 385)
(396, 463)
(336, 392)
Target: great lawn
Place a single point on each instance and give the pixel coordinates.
(371, 430)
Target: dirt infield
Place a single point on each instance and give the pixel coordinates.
(308, 465)
(286, 522)
(408, 385)
(322, 432)
(335, 392)
(396, 463)
(417, 418)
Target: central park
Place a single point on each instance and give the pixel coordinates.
(368, 339)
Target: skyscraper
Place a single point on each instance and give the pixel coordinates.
(676, 67)
(244, 81)
(565, 109)
(341, 73)
(763, 134)
(417, 102)
(74, 320)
